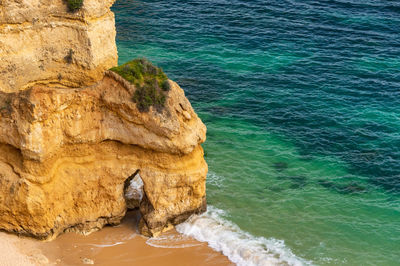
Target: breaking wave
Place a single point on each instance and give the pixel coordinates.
(240, 247)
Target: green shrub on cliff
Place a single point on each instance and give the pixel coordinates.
(150, 81)
(74, 5)
(5, 104)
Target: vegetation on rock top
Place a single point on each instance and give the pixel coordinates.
(150, 81)
(74, 5)
(5, 102)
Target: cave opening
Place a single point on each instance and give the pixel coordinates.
(133, 191)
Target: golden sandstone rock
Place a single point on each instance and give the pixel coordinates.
(71, 138)
(41, 42)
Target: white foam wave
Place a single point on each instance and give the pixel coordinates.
(214, 179)
(172, 241)
(107, 245)
(240, 247)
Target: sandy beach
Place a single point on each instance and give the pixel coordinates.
(10, 254)
(20, 251)
(120, 245)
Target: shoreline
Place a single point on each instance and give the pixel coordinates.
(117, 245)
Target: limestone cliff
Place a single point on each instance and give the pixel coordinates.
(41, 41)
(71, 137)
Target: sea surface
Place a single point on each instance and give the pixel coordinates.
(302, 103)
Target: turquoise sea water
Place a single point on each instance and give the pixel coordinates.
(302, 103)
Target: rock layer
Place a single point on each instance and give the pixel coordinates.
(65, 156)
(42, 42)
(68, 144)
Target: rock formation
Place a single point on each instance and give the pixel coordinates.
(71, 138)
(42, 42)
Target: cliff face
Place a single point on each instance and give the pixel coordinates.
(69, 146)
(41, 41)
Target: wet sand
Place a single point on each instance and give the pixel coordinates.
(122, 245)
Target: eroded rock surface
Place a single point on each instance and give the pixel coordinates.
(41, 41)
(69, 144)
